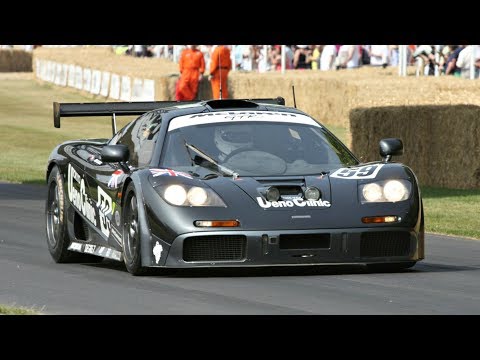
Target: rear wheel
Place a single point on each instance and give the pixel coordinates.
(390, 267)
(56, 223)
(132, 235)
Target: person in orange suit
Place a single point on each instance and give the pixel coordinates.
(220, 65)
(192, 67)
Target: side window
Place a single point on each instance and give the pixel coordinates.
(140, 138)
(116, 138)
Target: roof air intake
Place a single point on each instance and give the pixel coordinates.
(243, 103)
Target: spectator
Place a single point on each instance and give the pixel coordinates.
(393, 55)
(220, 66)
(316, 57)
(243, 56)
(289, 55)
(121, 49)
(348, 57)
(139, 50)
(275, 57)
(426, 55)
(410, 50)
(443, 57)
(261, 59)
(192, 67)
(327, 59)
(379, 55)
(365, 54)
(302, 58)
(451, 67)
(157, 50)
(463, 61)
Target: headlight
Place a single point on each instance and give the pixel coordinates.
(372, 192)
(394, 190)
(385, 191)
(312, 193)
(185, 195)
(175, 194)
(197, 196)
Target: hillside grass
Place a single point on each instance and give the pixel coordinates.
(27, 134)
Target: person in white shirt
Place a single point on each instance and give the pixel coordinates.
(425, 57)
(350, 56)
(379, 55)
(327, 58)
(139, 50)
(463, 61)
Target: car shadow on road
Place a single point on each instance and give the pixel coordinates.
(438, 267)
(324, 270)
(252, 271)
(420, 267)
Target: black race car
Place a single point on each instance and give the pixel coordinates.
(227, 183)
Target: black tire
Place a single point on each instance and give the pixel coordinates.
(131, 234)
(391, 267)
(56, 224)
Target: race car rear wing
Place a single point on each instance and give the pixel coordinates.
(114, 109)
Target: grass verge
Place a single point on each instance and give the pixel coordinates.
(452, 211)
(12, 310)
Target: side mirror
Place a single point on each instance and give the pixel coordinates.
(390, 147)
(115, 153)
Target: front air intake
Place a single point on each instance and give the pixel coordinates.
(304, 241)
(385, 243)
(215, 248)
(80, 227)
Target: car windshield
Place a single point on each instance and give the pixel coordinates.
(282, 146)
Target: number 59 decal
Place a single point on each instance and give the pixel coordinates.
(363, 172)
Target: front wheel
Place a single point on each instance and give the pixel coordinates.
(56, 223)
(132, 236)
(390, 267)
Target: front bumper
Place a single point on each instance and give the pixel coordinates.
(291, 247)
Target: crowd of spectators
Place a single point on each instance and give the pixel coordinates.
(429, 59)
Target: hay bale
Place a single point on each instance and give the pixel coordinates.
(204, 89)
(441, 143)
(13, 60)
(317, 93)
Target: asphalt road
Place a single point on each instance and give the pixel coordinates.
(447, 282)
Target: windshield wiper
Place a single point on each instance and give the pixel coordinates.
(211, 160)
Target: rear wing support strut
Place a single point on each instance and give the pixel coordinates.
(114, 124)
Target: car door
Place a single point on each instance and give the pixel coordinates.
(106, 179)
